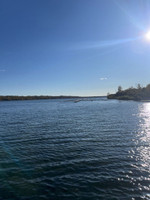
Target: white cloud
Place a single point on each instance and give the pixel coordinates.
(103, 78)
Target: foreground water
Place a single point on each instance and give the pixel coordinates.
(58, 149)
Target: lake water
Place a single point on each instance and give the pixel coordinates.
(62, 150)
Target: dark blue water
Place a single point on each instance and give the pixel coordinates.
(61, 150)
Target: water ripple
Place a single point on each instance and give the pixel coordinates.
(57, 149)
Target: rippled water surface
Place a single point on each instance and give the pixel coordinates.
(62, 150)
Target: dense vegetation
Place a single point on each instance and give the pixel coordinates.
(137, 94)
(9, 98)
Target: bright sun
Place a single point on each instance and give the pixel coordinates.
(147, 35)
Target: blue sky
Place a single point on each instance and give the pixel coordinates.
(73, 47)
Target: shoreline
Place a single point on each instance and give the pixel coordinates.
(42, 97)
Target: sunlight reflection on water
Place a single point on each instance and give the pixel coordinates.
(141, 153)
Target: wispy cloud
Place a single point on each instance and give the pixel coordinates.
(103, 78)
(2, 70)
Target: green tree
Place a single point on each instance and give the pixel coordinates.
(119, 88)
(139, 86)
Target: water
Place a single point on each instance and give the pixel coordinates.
(61, 150)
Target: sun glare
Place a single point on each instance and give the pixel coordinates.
(147, 36)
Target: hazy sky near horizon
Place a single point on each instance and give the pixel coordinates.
(73, 47)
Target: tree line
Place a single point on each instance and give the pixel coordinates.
(10, 98)
(138, 93)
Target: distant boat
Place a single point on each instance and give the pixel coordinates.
(76, 101)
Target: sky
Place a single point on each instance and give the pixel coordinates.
(73, 47)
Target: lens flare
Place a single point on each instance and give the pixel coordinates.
(147, 35)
